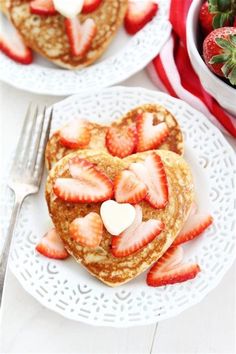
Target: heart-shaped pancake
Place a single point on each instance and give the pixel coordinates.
(56, 147)
(99, 261)
(48, 35)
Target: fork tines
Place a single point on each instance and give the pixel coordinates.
(29, 157)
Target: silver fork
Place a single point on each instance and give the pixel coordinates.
(26, 172)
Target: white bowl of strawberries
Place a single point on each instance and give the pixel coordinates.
(211, 41)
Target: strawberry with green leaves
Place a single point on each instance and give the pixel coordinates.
(219, 52)
(217, 13)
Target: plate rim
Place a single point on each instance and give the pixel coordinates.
(172, 313)
(59, 90)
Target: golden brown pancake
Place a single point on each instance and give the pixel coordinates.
(174, 142)
(55, 151)
(3, 6)
(99, 261)
(47, 36)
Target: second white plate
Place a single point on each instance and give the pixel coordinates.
(125, 56)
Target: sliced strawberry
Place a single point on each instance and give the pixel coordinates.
(12, 44)
(139, 14)
(137, 236)
(42, 7)
(121, 142)
(152, 173)
(52, 246)
(150, 135)
(90, 6)
(75, 134)
(80, 36)
(193, 227)
(87, 230)
(169, 270)
(88, 184)
(128, 188)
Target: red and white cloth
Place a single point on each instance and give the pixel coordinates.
(171, 70)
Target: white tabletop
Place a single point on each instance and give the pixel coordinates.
(27, 327)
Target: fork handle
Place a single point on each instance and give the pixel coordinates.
(7, 243)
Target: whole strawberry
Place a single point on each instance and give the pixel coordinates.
(216, 13)
(219, 52)
(206, 18)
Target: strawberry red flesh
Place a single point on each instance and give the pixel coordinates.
(88, 230)
(128, 188)
(80, 36)
(90, 6)
(88, 184)
(205, 18)
(137, 236)
(139, 14)
(42, 7)
(75, 135)
(195, 225)
(121, 142)
(150, 135)
(152, 173)
(219, 52)
(169, 270)
(12, 44)
(51, 246)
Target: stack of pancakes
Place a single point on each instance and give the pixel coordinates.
(99, 261)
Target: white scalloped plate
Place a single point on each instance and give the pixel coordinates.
(125, 56)
(65, 287)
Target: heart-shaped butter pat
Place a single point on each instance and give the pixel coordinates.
(117, 217)
(68, 8)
